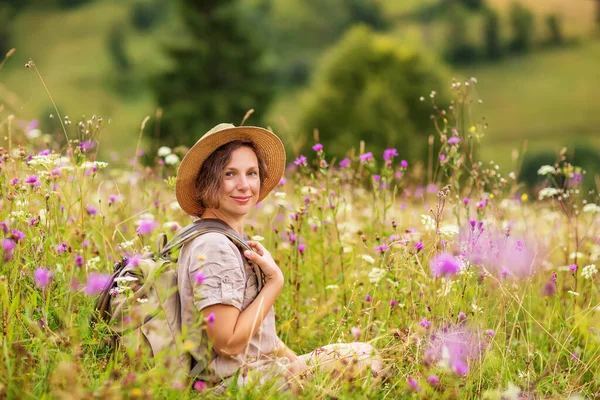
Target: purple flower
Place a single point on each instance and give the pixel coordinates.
(549, 288)
(33, 180)
(456, 347)
(573, 267)
(301, 248)
(300, 160)
(404, 164)
(96, 283)
(461, 368)
(61, 248)
(433, 380)
(79, 260)
(211, 318)
(17, 235)
(444, 264)
(442, 157)
(282, 181)
(356, 332)
(376, 178)
(200, 386)
(381, 249)
(388, 154)
(366, 157)
(318, 147)
(453, 140)
(466, 201)
(112, 198)
(418, 246)
(414, 384)
(135, 260)
(425, 323)
(146, 227)
(44, 152)
(490, 332)
(393, 303)
(368, 298)
(42, 277)
(199, 278)
(345, 163)
(14, 181)
(86, 145)
(462, 316)
(91, 210)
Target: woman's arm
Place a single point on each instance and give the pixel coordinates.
(231, 329)
(284, 351)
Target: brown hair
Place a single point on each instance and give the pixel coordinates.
(208, 181)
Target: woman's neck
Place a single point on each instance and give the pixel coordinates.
(236, 223)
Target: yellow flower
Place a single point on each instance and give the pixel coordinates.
(524, 197)
(188, 345)
(472, 129)
(200, 257)
(136, 393)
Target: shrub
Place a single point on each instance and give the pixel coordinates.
(144, 14)
(460, 47)
(555, 35)
(522, 24)
(491, 34)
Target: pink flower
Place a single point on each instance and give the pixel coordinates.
(61, 248)
(318, 147)
(91, 210)
(301, 248)
(453, 140)
(146, 227)
(414, 385)
(388, 154)
(96, 283)
(300, 160)
(33, 180)
(42, 277)
(356, 332)
(366, 157)
(425, 323)
(404, 164)
(211, 318)
(376, 178)
(282, 181)
(200, 386)
(456, 347)
(79, 261)
(199, 278)
(444, 264)
(433, 380)
(345, 163)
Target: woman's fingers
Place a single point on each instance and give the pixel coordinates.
(259, 248)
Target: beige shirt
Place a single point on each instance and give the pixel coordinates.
(228, 279)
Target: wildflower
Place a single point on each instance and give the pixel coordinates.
(146, 227)
(433, 380)
(462, 316)
(91, 210)
(200, 386)
(134, 261)
(199, 278)
(453, 140)
(547, 193)
(368, 298)
(589, 271)
(418, 246)
(591, 208)
(546, 169)
(454, 348)
(403, 164)
(366, 157)
(301, 248)
(345, 163)
(393, 303)
(573, 267)
(574, 356)
(549, 288)
(318, 147)
(79, 260)
(414, 384)
(112, 198)
(282, 181)
(17, 235)
(211, 318)
(381, 249)
(85, 146)
(300, 160)
(171, 159)
(164, 151)
(490, 332)
(425, 323)
(356, 332)
(444, 264)
(368, 259)
(466, 201)
(61, 248)
(388, 154)
(376, 274)
(376, 178)
(42, 277)
(33, 180)
(96, 283)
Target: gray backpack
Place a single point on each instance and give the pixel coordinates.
(141, 304)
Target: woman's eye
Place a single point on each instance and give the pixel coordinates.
(229, 173)
(253, 173)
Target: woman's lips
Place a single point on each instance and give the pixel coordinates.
(242, 200)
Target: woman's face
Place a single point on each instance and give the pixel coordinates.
(240, 183)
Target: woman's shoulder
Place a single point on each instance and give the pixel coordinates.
(211, 243)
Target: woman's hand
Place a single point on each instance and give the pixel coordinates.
(265, 261)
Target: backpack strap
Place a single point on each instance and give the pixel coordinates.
(200, 227)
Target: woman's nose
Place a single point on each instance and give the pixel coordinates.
(243, 183)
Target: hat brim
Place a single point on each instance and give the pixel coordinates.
(268, 146)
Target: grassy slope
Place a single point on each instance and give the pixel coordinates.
(70, 51)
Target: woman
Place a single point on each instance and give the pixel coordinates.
(221, 178)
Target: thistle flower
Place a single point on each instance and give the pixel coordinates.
(368, 298)
(425, 323)
(345, 163)
(17, 235)
(433, 380)
(91, 210)
(200, 386)
(318, 147)
(388, 154)
(444, 264)
(146, 227)
(366, 157)
(454, 348)
(414, 385)
(199, 278)
(356, 332)
(79, 260)
(42, 277)
(33, 180)
(211, 318)
(404, 164)
(453, 140)
(301, 248)
(462, 316)
(418, 246)
(96, 283)
(61, 248)
(300, 160)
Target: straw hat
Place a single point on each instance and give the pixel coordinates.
(268, 145)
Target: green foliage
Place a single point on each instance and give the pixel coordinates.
(72, 3)
(491, 34)
(5, 29)
(460, 48)
(116, 47)
(473, 4)
(145, 14)
(555, 34)
(218, 73)
(367, 88)
(522, 24)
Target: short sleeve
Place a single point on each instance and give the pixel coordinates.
(219, 261)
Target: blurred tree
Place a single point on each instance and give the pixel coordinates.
(6, 16)
(459, 47)
(218, 73)
(72, 3)
(522, 23)
(555, 35)
(116, 47)
(473, 4)
(145, 13)
(491, 34)
(368, 12)
(367, 87)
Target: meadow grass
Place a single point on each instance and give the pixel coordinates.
(469, 288)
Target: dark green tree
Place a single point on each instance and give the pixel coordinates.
(522, 24)
(555, 35)
(367, 87)
(473, 4)
(459, 46)
(491, 34)
(116, 47)
(217, 76)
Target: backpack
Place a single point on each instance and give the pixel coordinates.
(141, 303)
